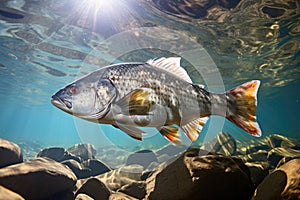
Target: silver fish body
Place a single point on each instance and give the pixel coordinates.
(158, 93)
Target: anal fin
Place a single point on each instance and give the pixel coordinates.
(193, 128)
(171, 133)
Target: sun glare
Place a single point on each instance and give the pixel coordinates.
(100, 15)
(98, 5)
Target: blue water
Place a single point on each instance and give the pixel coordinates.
(44, 47)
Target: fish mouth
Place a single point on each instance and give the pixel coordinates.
(60, 103)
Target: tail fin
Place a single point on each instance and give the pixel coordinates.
(244, 114)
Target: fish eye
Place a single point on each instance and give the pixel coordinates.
(73, 90)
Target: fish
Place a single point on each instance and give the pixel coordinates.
(157, 93)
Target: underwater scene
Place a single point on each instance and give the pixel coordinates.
(200, 99)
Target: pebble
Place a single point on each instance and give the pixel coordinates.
(10, 153)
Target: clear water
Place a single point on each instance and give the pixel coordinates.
(46, 44)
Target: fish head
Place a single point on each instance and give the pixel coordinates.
(85, 98)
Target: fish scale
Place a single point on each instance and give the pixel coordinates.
(141, 75)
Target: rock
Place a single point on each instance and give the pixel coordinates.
(283, 183)
(276, 154)
(254, 148)
(259, 156)
(224, 144)
(271, 187)
(272, 149)
(124, 175)
(55, 153)
(152, 166)
(96, 166)
(6, 194)
(95, 189)
(121, 196)
(37, 179)
(283, 160)
(80, 171)
(30, 149)
(58, 154)
(113, 156)
(135, 189)
(171, 150)
(65, 195)
(84, 151)
(143, 157)
(292, 171)
(145, 175)
(198, 174)
(83, 197)
(162, 158)
(276, 140)
(258, 171)
(10, 153)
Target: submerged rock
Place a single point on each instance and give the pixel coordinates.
(272, 151)
(135, 189)
(283, 183)
(143, 157)
(171, 150)
(284, 160)
(276, 140)
(37, 179)
(83, 197)
(6, 194)
(259, 156)
(251, 146)
(10, 153)
(224, 144)
(88, 168)
(84, 151)
(58, 154)
(292, 171)
(80, 171)
(95, 189)
(258, 171)
(96, 166)
(124, 175)
(194, 174)
(162, 158)
(278, 153)
(30, 149)
(121, 196)
(198, 174)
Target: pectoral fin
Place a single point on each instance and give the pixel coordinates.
(193, 128)
(137, 109)
(171, 133)
(136, 102)
(131, 131)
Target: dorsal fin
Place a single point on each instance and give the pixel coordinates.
(171, 65)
